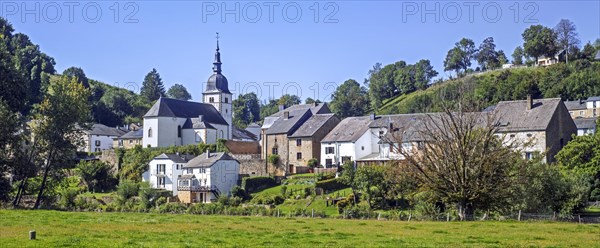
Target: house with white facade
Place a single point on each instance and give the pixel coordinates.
(164, 170)
(350, 140)
(99, 138)
(199, 179)
(172, 122)
(585, 126)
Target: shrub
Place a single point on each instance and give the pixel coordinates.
(67, 197)
(255, 184)
(237, 191)
(331, 184)
(273, 159)
(127, 189)
(312, 163)
(173, 208)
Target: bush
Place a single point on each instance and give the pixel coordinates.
(273, 159)
(331, 184)
(127, 189)
(237, 191)
(173, 208)
(312, 163)
(255, 184)
(67, 197)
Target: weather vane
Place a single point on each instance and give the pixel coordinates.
(217, 36)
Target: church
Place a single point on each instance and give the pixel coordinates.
(172, 122)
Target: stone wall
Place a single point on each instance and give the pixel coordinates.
(110, 157)
(251, 164)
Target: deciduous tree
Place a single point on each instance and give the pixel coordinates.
(178, 91)
(539, 41)
(567, 37)
(350, 99)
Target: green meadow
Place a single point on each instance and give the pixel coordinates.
(91, 229)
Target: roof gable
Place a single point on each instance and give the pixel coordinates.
(514, 115)
(312, 125)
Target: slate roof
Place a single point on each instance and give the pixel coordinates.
(312, 125)
(348, 130)
(202, 161)
(168, 107)
(575, 105)
(514, 116)
(277, 124)
(408, 127)
(181, 158)
(593, 98)
(241, 134)
(195, 123)
(585, 123)
(100, 129)
(137, 134)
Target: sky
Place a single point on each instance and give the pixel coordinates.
(305, 48)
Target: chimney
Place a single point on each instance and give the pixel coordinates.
(372, 116)
(207, 153)
(200, 117)
(286, 115)
(315, 104)
(391, 126)
(529, 102)
(281, 107)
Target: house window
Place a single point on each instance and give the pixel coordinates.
(130, 141)
(189, 171)
(120, 142)
(420, 145)
(299, 155)
(179, 131)
(160, 169)
(594, 112)
(202, 170)
(150, 133)
(529, 135)
(97, 149)
(581, 113)
(222, 134)
(329, 150)
(528, 155)
(362, 148)
(97, 143)
(161, 182)
(328, 162)
(274, 150)
(380, 133)
(275, 140)
(298, 142)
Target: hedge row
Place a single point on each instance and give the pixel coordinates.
(331, 184)
(255, 184)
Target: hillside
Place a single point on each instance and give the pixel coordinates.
(577, 80)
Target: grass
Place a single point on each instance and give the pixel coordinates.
(90, 229)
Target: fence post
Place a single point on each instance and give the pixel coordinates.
(554, 216)
(32, 235)
(313, 213)
(579, 216)
(379, 216)
(519, 218)
(409, 216)
(278, 213)
(448, 217)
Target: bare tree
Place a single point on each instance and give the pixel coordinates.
(567, 37)
(457, 155)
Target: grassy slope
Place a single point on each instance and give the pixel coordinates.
(70, 229)
(403, 102)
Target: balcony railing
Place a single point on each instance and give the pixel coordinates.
(198, 188)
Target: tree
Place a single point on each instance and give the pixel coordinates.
(178, 91)
(459, 57)
(309, 100)
(382, 82)
(350, 99)
(9, 148)
(487, 57)
(57, 124)
(588, 52)
(288, 100)
(152, 88)
(369, 182)
(77, 73)
(567, 36)
(348, 177)
(246, 109)
(461, 160)
(539, 41)
(502, 58)
(96, 175)
(517, 56)
(424, 73)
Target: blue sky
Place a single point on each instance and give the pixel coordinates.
(278, 50)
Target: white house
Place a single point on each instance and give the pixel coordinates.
(164, 170)
(585, 126)
(194, 179)
(349, 140)
(207, 176)
(172, 122)
(99, 138)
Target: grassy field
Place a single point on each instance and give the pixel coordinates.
(71, 229)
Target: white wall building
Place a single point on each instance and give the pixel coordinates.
(350, 140)
(172, 122)
(99, 138)
(200, 179)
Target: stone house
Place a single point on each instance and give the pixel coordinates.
(99, 138)
(541, 126)
(129, 140)
(278, 127)
(305, 143)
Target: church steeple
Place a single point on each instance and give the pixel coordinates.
(217, 63)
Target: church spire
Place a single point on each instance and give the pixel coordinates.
(217, 63)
